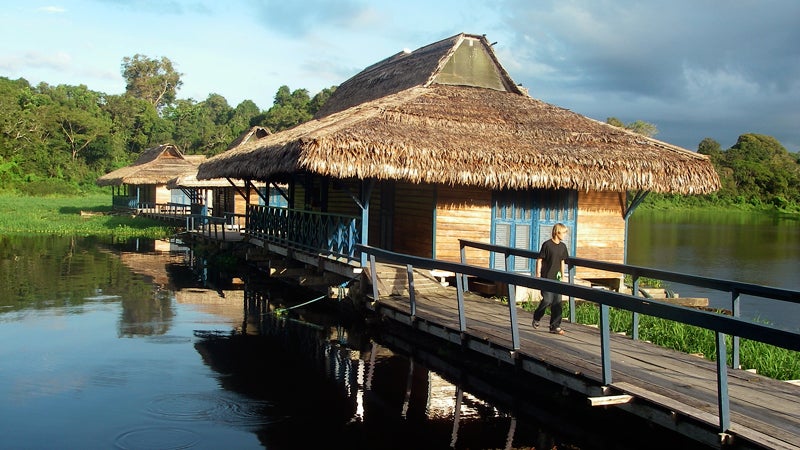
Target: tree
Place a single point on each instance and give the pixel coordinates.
(762, 170)
(291, 108)
(710, 148)
(320, 99)
(154, 80)
(135, 127)
(638, 126)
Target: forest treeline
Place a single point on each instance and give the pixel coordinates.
(59, 139)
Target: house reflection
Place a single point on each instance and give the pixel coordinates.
(337, 380)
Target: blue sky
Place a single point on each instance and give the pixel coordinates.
(694, 68)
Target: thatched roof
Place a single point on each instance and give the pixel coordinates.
(157, 165)
(189, 180)
(253, 134)
(432, 116)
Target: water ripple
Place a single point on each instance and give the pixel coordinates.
(161, 438)
(197, 407)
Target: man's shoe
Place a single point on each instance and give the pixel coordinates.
(535, 324)
(557, 330)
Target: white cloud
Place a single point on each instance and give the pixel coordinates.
(51, 9)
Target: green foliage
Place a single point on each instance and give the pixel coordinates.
(638, 126)
(291, 108)
(755, 173)
(71, 135)
(24, 215)
(768, 360)
(150, 79)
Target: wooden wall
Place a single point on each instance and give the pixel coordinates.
(163, 194)
(413, 219)
(600, 232)
(466, 213)
(462, 213)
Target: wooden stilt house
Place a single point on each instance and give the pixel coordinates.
(142, 186)
(439, 144)
(222, 197)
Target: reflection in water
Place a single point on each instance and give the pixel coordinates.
(115, 354)
(322, 382)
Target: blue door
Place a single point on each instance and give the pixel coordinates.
(524, 219)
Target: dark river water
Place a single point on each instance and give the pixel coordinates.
(144, 345)
(752, 248)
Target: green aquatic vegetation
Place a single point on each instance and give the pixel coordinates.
(768, 360)
(75, 215)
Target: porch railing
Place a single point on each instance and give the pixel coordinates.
(735, 288)
(331, 234)
(720, 324)
(123, 202)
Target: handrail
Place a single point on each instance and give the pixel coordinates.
(719, 323)
(318, 232)
(691, 316)
(694, 280)
(736, 288)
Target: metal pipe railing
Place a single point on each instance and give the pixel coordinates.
(721, 324)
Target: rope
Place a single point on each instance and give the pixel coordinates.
(282, 311)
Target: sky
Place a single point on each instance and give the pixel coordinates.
(694, 68)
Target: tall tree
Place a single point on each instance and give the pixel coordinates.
(320, 99)
(710, 148)
(763, 169)
(290, 109)
(154, 80)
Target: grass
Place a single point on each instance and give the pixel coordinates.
(25, 215)
(768, 360)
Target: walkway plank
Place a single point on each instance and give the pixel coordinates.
(764, 411)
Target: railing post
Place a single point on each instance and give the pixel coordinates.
(462, 320)
(411, 296)
(571, 280)
(372, 271)
(635, 324)
(722, 384)
(605, 344)
(512, 304)
(735, 310)
(512, 316)
(464, 281)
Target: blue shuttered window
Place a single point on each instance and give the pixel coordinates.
(524, 219)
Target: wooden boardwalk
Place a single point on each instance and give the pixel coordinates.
(673, 389)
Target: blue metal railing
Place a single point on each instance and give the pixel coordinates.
(123, 202)
(734, 287)
(720, 324)
(331, 234)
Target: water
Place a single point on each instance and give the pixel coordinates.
(117, 345)
(752, 248)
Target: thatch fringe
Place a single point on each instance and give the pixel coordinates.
(470, 136)
(157, 165)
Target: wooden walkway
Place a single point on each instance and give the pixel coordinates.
(673, 389)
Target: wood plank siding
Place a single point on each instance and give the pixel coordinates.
(462, 213)
(413, 219)
(428, 220)
(600, 234)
